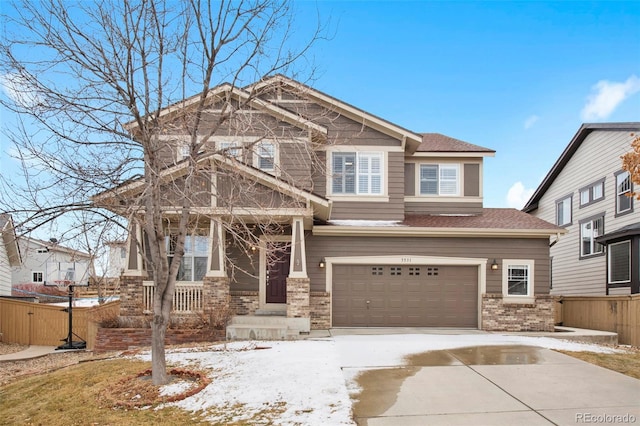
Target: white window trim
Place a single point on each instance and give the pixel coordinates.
(276, 156)
(628, 243)
(594, 244)
(459, 180)
(530, 297)
(382, 197)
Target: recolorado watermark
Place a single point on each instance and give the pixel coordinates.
(605, 418)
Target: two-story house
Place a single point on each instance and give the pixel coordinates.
(49, 263)
(587, 193)
(377, 225)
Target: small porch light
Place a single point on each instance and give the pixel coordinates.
(494, 265)
(322, 263)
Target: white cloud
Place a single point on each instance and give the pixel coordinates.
(518, 195)
(606, 97)
(530, 121)
(20, 90)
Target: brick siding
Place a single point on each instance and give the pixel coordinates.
(119, 339)
(244, 302)
(500, 316)
(320, 310)
(298, 297)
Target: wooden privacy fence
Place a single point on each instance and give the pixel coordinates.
(620, 314)
(39, 324)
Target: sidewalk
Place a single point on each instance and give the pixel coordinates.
(29, 353)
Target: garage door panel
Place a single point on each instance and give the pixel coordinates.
(430, 296)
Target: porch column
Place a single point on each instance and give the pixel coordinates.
(216, 258)
(134, 253)
(215, 292)
(131, 290)
(298, 266)
(298, 283)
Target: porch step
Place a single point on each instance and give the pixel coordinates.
(250, 327)
(266, 313)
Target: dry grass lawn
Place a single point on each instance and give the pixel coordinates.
(625, 363)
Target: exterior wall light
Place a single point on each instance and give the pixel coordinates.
(322, 263)
(494, 265)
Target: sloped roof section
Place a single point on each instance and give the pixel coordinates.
(491, 218)
(437, 142)
(585, 130)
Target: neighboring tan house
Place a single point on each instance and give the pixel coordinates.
(587, 193)
(9, 253)
(394, 234)
(49, 263)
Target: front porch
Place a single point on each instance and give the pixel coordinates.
(258, 291)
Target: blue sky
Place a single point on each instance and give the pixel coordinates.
(517, 77)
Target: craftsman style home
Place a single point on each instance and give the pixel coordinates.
(369, 225)
(587, 193)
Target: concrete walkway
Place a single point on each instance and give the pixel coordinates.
(29, 353)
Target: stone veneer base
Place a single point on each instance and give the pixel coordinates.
(498, 315)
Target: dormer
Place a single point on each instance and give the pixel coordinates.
(444, 177)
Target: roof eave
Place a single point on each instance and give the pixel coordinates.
(439, 232)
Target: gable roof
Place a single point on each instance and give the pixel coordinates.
(437, 142)
(51, 246)
(238, 93)
(9, 240)
(410, 139)
(585, 130)
(323, 206)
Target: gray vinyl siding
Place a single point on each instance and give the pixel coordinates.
(236, 191)
(391, 210)
(410, 179)
(597, 157)
(416, 207)
(490, 248)
(296, 165)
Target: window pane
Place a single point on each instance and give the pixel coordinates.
(598, 191)
(428, 179)
(623, 186)
(344, 171)
(266, 156)
(200, 268)
(585, 231)
(564, 211)
(185, 273)
(448, 180)
(620, 262)
(584, 196)
(518, 280)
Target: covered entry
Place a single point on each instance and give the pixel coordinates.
(405, 296)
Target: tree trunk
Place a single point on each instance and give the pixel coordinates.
(159, 374)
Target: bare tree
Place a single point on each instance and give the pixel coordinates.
(104, 90)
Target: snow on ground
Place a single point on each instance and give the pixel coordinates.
(306, 377)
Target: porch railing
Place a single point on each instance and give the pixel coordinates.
(186, 299)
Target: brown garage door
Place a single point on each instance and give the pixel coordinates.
(405, 296)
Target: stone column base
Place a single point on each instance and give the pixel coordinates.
(298, 297)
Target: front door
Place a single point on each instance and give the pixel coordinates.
(278, 259)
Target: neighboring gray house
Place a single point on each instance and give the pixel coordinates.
(586, 192)
(47, 262)
(380, 225)
(9, 253)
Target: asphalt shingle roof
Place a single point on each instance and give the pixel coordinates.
(492, 218)
(436, 142)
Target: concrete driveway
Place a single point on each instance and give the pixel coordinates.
(505, 384)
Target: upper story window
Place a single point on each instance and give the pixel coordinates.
(624, 201)
(592, 193)
(590, 229)
(194, 261)
(440, 179)
(358, 173)
(265, 158)
(230, 149)
(563, 211)
(184, 151)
